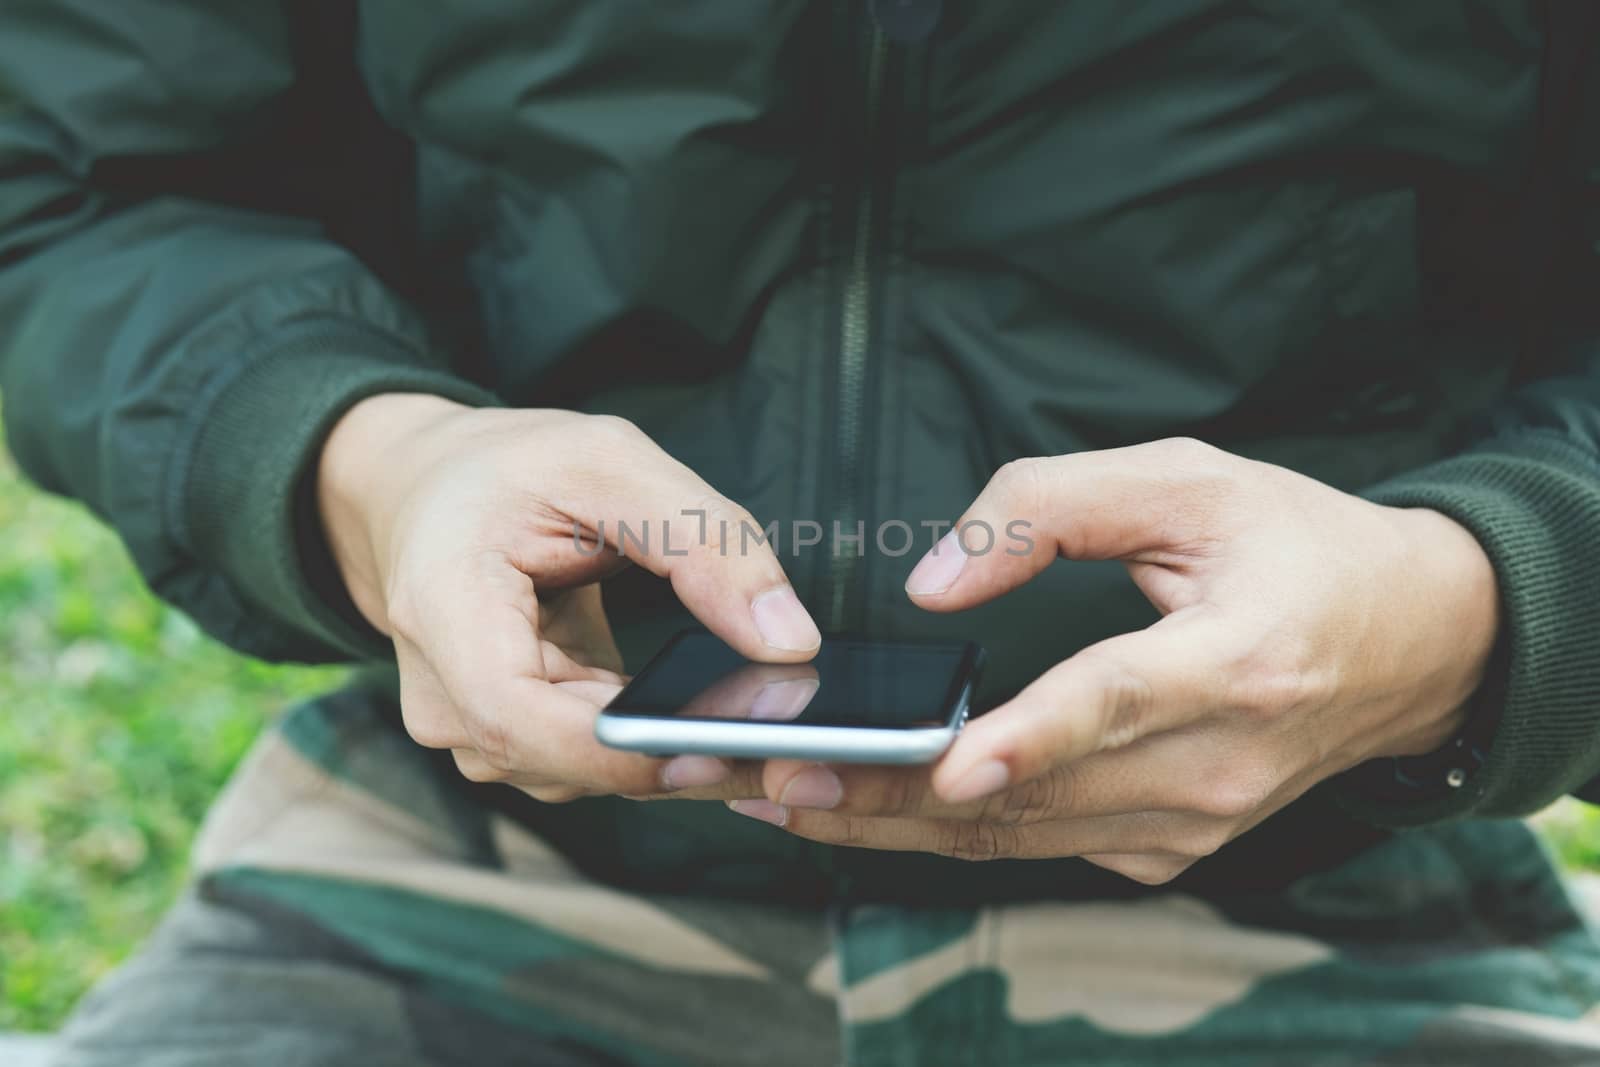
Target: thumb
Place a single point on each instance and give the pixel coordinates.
(1138, 503)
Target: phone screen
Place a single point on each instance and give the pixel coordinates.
(882, 685)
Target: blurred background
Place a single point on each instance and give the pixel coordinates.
(119, 721)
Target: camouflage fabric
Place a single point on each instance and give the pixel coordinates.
(354, 907)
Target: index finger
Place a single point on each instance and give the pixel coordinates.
(1151, 500)
(650, 508)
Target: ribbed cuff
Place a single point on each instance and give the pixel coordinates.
(1533, 502)
(243, 501)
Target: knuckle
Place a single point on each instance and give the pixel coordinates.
(1126, 704)
(1266, 694)
(615, 427)
(1045, 797)
(1020, 481)
(744, 781)
(894, 794)
(726, 524)
(1206, 476)
(1234, 794)
(1188, 451)
(848, 831)
(492, 738)
(475, 769)
(1273, 676)
(977, 842)
(427, 730)
(1193, 842)
(1154, 870)
(1223, 800)
(1209, 840)
(401, 612)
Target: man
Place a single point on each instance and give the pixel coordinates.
(357, 330)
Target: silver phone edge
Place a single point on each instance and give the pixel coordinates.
(743, 739)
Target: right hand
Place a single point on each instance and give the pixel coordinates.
(454, 530)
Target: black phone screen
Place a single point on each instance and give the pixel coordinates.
(850, 682)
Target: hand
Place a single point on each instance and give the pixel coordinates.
(457, 533)
(1304, 631)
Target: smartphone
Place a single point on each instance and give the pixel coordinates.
(857, 701)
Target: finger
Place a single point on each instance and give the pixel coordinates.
(559, 666)
(591, 691)
(742, 783)
(683, 777)
(575, 619)
(475, 768)
(430, 716)
(1120, 503)
(978, 840)
(477, 626)
(842, 788)
(590, 769)
(492, 667)
(543, 732)
(712, 550)
(776, 692)
(480, 640)
(1159, 773)
(1157, 867)
(689, 777)
(1107, 696)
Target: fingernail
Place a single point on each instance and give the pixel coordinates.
(783, 622)
(988, 777)
(939, 569)
(814, 787)
(686, 772)
(785, 700)
(765, 810)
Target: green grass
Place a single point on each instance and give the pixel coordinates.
(1573, 831)
(119, 721)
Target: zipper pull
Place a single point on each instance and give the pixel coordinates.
(906, 21)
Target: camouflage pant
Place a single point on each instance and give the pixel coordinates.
(351, 909)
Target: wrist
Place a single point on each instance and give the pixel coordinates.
(1459, 593)
(360, 479)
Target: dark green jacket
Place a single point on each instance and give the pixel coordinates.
(841, 276)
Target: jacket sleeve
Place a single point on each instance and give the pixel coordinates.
(1530, 493)
(171, 353)
(1528, 487)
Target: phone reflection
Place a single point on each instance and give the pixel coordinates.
(774, 692)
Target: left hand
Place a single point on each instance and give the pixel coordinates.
(1304, 631)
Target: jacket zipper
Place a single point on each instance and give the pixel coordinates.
(855, 333)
